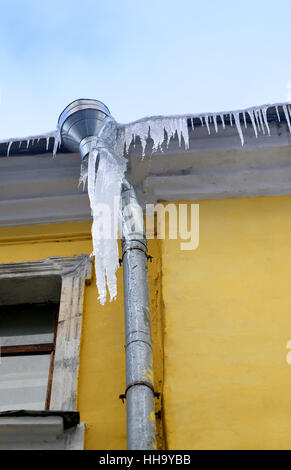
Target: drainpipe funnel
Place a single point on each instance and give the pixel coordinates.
(80, 122)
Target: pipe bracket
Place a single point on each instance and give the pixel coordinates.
(148, 257)
(133, 384)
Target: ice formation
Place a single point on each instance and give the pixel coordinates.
(155, 127)
(105, 172)
(105, 167)
(162, 128)
(36, 138)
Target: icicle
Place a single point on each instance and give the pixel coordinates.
(287, 116)
(261, 121)
(9, 147)
(215, 123)
(184, 131)
(83, 173)
(222, 120)
(251, 114)
(278, 115)
(140, 129)
(245, 120)
(201, 119)
(128, 137)
(259, 116)
(27, 143)
(265, 117)
(155, 127)
(207, 123)
(238, 126)
(92, 176)
(179, 131)
(257, 120)
(173, 125)
(104, 186)
(157, 133)
(192, 123)
(230, 118)
(57, 142)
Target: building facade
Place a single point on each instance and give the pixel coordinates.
(220, 313)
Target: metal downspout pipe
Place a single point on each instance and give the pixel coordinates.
(79, 123)
(141, 433)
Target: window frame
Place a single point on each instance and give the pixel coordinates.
(75, 272)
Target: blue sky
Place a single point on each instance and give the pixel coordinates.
(140, 57)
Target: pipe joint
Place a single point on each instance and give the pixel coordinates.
(86, 145)
(132, 245)
(138, 336)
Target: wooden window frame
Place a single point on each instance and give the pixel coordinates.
(27, 349)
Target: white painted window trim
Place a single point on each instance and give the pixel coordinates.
(39, 433)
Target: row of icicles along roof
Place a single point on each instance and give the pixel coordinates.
(156, 126)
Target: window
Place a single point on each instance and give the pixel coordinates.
(27, 339)
(41, 303)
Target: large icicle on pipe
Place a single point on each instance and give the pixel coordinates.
(86, 126)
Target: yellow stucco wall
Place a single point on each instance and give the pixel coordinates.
(221, 319)
(102, 364)
(227, 323)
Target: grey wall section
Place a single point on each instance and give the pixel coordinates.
(41, 189)
(36, 189)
